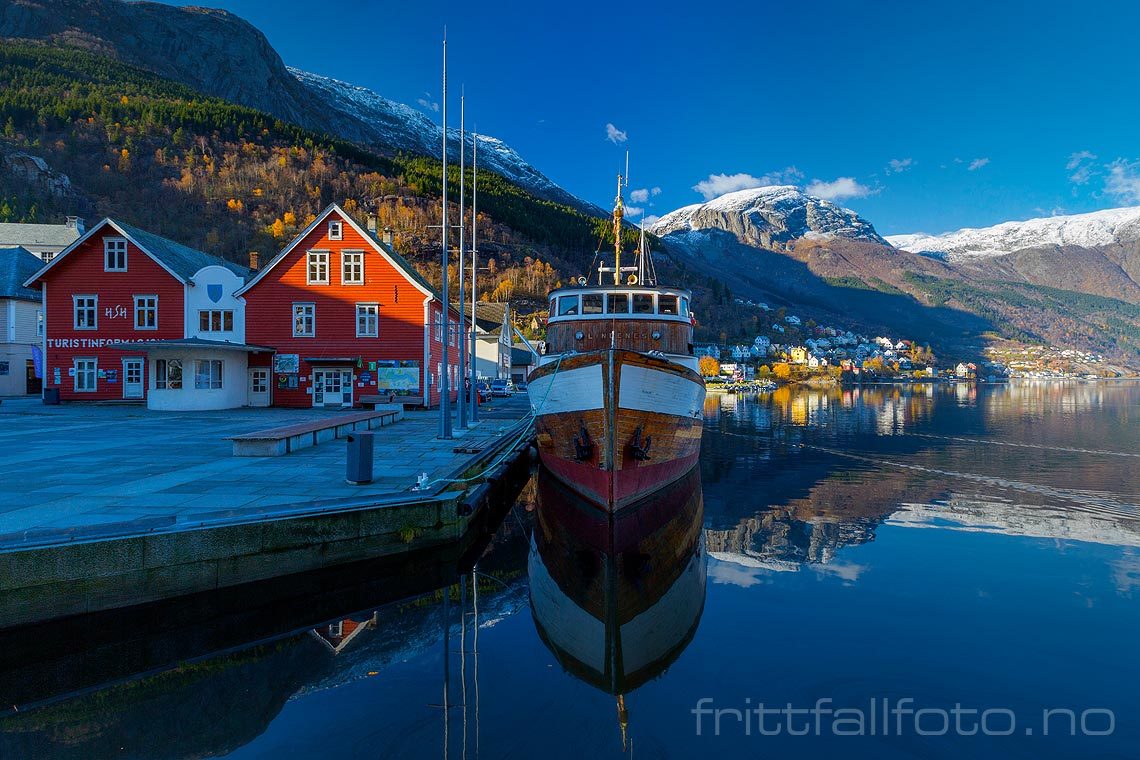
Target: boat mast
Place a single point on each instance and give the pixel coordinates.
(619, 212)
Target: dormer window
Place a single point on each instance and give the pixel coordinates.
(114, 254)
(336, 230)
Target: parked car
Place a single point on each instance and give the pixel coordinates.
(500, 388)
(520, 385)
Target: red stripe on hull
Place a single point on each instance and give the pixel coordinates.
(600, 487)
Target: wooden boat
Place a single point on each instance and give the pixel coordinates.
(617, 395)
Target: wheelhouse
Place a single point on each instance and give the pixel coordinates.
(635, 318)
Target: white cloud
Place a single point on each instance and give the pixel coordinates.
(899, 165)
(837, 189)
(977, 163)
(632, 211)
(427, 103)
(1123, 182)
(615, 135)
(1082, 167)
(655, 191)
(651, 220)
(639, 196)
(1075, 159)
(719, 184)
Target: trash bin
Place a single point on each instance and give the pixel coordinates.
(51, 396)
(358, 470)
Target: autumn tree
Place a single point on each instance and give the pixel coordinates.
(709, 366)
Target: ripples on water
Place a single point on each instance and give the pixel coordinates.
(950, 545)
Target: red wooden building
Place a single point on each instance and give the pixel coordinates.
(116, 284)
(348, 317)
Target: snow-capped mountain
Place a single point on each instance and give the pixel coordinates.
(372, 118)
(1116, 225)
(767, 217)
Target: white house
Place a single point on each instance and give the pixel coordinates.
(215, 338)
(43, 240)
(21, 324)
(792, 319)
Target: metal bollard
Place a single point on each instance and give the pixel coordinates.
(358, 468)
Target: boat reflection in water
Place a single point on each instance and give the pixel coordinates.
(618, 597)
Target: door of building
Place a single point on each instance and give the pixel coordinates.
(35, 385)
(332, 387)
(259, 387)
(132, 378)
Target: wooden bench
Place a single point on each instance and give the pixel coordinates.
(278, 441)
(391, 398)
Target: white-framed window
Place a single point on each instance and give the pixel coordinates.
(86, 375)
(352, 268)
(168, 374)
(114, 254)
(318, 270)
(304, 320)
(47, 256)
(336, 230)
(207, 374)
(146, 312)
(86, 312)
(40, 323)
(215, 320)
(437, 328)
(367, 320)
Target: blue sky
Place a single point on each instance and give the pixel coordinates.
(921, 116)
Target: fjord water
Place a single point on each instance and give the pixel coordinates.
(928, 567)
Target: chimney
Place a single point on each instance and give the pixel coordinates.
(390, 238)
(77, 224)
(372, 223)
(253, 260)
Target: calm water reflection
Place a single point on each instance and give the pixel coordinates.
(940, 548)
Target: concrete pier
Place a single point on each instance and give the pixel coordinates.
(103, 507)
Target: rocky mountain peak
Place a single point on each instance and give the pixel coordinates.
(767, 217)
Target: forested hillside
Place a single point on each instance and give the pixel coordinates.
(229, 179)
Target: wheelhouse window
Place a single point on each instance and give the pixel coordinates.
(207, 374)
(146, 312)
(86, 312)
(591, 303)
(367, 320)
(318, 273)
(667, 304)
(642, 303)
(168, 374)
(567, 305)
(304, 320)
(352, 268)
(336, 230)
(684, 306)
(86, 375)
(114, 254)
(215, 320)
(617, 303)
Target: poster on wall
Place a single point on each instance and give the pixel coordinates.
(398, 375)
(286, 364)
